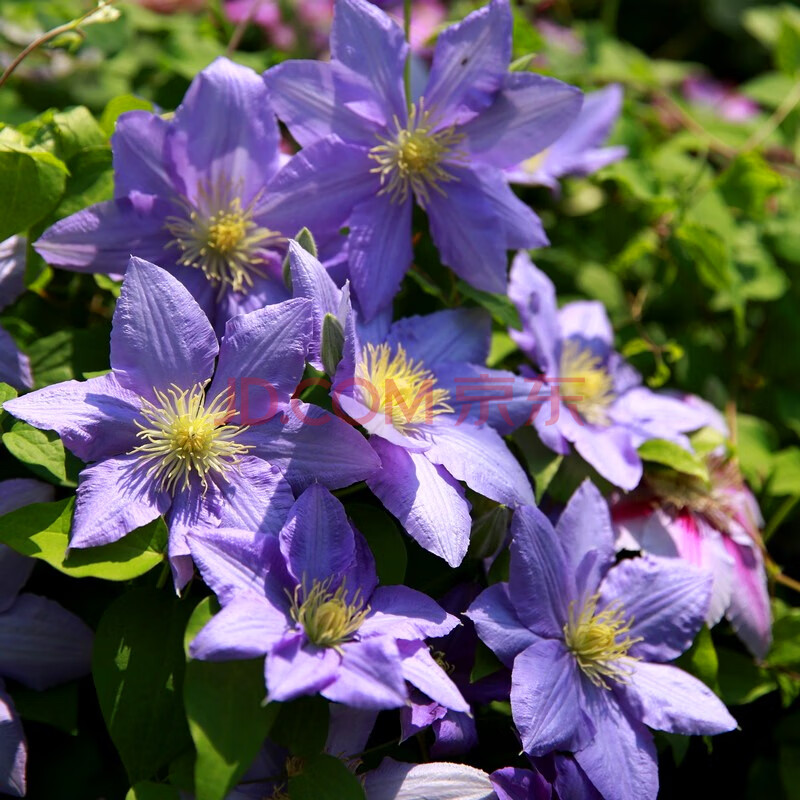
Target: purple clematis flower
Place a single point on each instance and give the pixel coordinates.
(588, 643)
(15, 369)
(430, 410)
(163, 441)
(445, 148)
(41, 643)
(201, 194)
(308, 600)
(609, 413)
(578, 151)
(720, 97)
(714, 526)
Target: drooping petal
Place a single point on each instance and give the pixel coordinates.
(247, 627)
(427, 500)
(541, 585)
(380, 253)
(367, 41)
(263, 353)
(498, 625)
(370, 676)
(394, 780)
(312, 445)
(477, 455)
(140, 156)
(652, 415)
(160, 336)
(114, 498)
(454, 734)
(611, 451)
(94, 418)
(13, 749)
(225, 131)
(405, 613)
(421, 670)
(43, 644)
(528, 115)
(668, 699)
(513, 783)
(470, 63)
(103, 237)
(15, 367)
(664, 598)
(294, 669)
(546, 699)
(621, 759)
(584, 527)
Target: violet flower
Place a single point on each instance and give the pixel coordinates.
(589, 643)
(444, 148)
(719, 97)
(41, 643)
(161, 440)
(579, 150)
(605, 412)
(202, 195)
(15, 369)
(308, 600)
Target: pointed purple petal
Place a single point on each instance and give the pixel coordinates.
(421, 670)
(588, 321)
(13, 749)
(427, 500)
(140, 157)
(15, 367)
(293, 670)
(611, 451)
(405, 613)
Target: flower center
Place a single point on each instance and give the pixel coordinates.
(326, 616)
(183, 436)
(219, 236)
(394, 385)
(412, 158)
(589, 380)
(600, 642)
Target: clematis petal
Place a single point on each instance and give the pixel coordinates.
(294, 670)
(546, 699)
(588, 321)
(394, 780)
(405, 613)
(611, 451)
(43, 644)
(427, 500)
(247, 627)
(513, 783)
(160, 336)
(470, 63)
(13, 749)
(15, 367)
(420, 669)
(140, 156)
(668, 699)
(665, 599)
(498, 625)
(370, 676)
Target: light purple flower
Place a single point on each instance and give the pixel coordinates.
(201, 194)
(579, 150)
(308, 601)
(589, 644)
(41, 643)
(716, 527)
(720, 97)
(611, 413)
(445, 148)
(161, 440)
(15, 369)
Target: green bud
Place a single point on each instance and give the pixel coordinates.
(306, 241)
(332, 343)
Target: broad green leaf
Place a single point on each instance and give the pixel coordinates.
(324, 777)
(785, 477)
(68, 354)
(756, 441)
(227, 717)
(33, 182)
(76, 129)
(153, 791)
(708, 253)
(669, 454)
(542, 463)
(302, 726)
(384, 539)
(6, 393)
(43, 453)
(502, 346)
(785, 650)
(138, 668)
(747, 183)
(498, 305)
(741, 680)
(118, 106)
(701, 659)
(41, 530)
(57, 706)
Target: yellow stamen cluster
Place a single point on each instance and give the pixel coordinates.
(219, 236)
(588, 379)
(399, 388)
(184, 436)
(690, 493)
(412, 159)
(599, 641)
(326, 616)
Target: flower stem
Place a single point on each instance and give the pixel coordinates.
(407, 31)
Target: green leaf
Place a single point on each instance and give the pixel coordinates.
(542, 462)
(68, 354)
(227, 717)
(785, 477)
(43, 453)
(785, 650)
(498, 305)
(502, 346)
(75, 130)
(33, 182)
(741, 680)
(747, 183)
(118, 106)
(138, 669)
(41, 530)
(302, 726)
(6, 393)
(756, 441)
(787, 48)
(701, 659)
(384, 539)
(153, 791)
(57, 706)
(324, 777)
(669, 454)
(709, 254)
